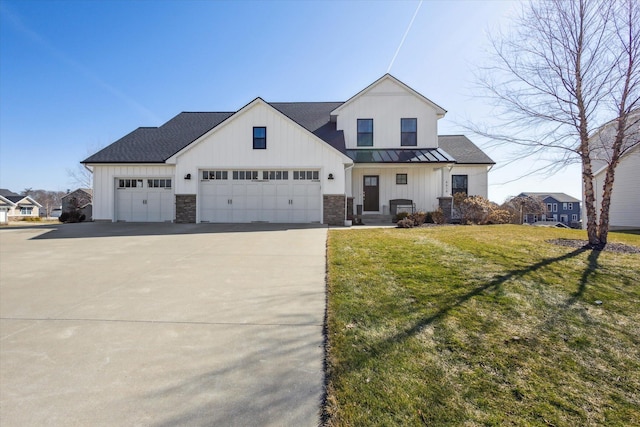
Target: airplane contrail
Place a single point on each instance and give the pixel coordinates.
(405, 36)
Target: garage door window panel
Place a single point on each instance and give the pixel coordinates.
(130, 183)
(218, 175)
(245, 175)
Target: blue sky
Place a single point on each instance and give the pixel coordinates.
(78, 75)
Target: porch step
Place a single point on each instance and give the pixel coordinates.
(369, 218)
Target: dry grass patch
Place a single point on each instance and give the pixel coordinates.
(481, 326)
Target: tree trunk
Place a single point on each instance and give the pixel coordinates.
(590, 201)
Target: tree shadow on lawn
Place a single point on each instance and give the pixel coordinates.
(387, 344)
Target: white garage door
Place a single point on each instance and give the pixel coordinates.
(144, 200)
(283, 196)
(3, 216)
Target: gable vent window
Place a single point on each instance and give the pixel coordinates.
(259, 138)
(365, 132)
(408, 132)
(211, 175)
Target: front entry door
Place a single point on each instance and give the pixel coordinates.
(371, 193)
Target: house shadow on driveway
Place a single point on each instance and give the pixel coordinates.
(117, 229)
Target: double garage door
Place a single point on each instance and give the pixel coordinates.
(284, 196)
(144, 200)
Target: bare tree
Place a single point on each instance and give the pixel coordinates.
(568, 68)
(48, 199)
(80, 177)
(519, 206)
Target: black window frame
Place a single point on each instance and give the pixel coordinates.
(399, 179)
(456, 190)
(259, 142)
(361, 140)
(411, 136)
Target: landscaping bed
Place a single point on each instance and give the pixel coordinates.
(481, 325)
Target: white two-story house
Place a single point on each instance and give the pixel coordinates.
(299, 162)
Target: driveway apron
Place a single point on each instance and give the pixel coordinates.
(162, 325)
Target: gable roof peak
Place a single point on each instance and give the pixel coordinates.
(388, 77)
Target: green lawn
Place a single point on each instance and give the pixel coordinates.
(485, 325)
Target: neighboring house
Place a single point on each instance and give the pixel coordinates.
(559, 207)
(624, 211)
(79, 199)
(5, 206)
(23, 206)
(289, 162)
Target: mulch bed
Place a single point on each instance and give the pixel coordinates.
(584, 244)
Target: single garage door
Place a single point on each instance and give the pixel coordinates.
(3, 216)
(144, 200)
(284, 196)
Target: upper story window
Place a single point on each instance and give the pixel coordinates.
(365, 132)
(409, 132)
(459, 184)
(259, 138)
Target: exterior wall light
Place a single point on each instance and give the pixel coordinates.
(331, 176)
(187, 176)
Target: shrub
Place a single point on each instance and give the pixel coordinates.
(438, 216)
(401, 215)
(72, 216)
(406, 223)
(429, 218)
(499, 216)
(32, 219)
(418, 218)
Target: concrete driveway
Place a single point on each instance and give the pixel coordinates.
(161, 325)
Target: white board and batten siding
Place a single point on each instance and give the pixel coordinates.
(109, 201)
(423, 185)
(386, 103)
(477, 182)
(229, 147)
(624, 212)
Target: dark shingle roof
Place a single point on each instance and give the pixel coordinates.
(463, 150)
(156, 145)
(314, 117)
(560, 197)
(5, 193)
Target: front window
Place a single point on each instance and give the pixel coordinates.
(409, 132)
(401, 178)
(259, 138)
(570, 206)
(365, 132)
(26, 210)
(459, 184)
